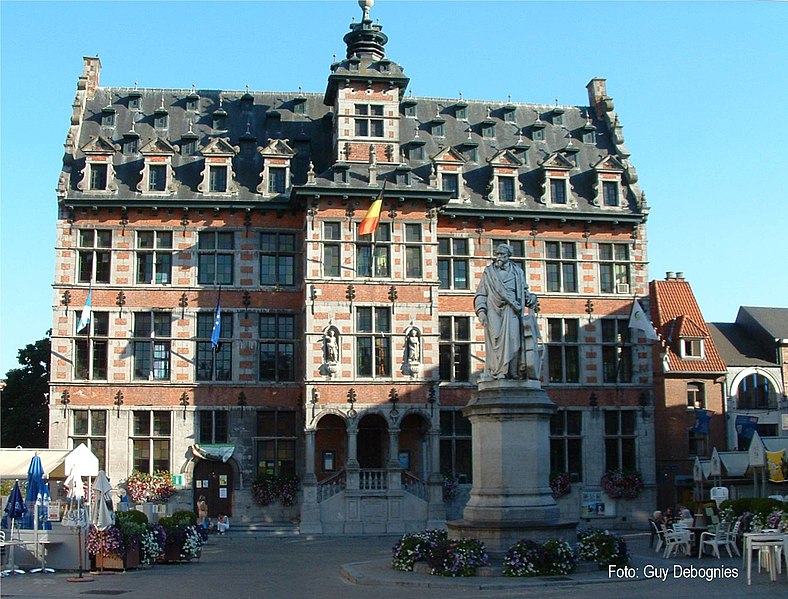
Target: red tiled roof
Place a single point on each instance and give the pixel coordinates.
(676, 315)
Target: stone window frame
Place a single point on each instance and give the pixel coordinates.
(617, 351)
(93, 342)
(280, 252)
(448, 256)
(93, 436)
(615, 268)
(284, 339)
(90, 256)
(157, 249)
(566, 443)
(332, 240)
(452, 437)
(558, 264)
(380, 335)
(219, 421)
(380, 252)
(455, 344)
(620, 440)
(284, 442)
(152, 345)
(565, 344)
(153, 437)
(207, 248)
(211, 356)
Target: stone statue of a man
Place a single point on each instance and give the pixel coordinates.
(510, 333)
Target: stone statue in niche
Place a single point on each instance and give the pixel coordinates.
(502, 304)
(331, 350)
(414, 347)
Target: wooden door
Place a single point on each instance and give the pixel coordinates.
(214, 480)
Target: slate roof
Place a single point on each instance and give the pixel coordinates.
(736, 347)
(771, 321)
(676, 314)
(255, 117)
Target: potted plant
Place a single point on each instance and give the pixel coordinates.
(183, 541)
(118, 547)
(620, 484)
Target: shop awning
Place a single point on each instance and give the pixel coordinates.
(57, 463)
(216, 452)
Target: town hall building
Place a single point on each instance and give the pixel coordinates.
(340, 358)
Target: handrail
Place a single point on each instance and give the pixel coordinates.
(331, 486)
(373, 480)
(414, 485)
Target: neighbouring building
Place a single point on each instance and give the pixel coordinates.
(341, 358)
(689, 389)
(755, 350)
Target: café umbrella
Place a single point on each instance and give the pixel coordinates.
(37, 493)
(76, 517)
(102, 516)
(15, 508)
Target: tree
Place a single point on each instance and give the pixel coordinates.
(25, 405)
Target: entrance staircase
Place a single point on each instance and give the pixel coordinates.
(260, 530)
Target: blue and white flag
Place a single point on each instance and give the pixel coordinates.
(84, 318)
(216, 332)
(746, 426)
(702, 418)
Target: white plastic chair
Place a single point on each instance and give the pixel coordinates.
(721, 538)
(677, 540)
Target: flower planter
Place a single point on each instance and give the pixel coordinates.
(115, 562)
(172, 553)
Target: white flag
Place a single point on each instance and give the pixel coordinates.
(639, 320)
(84, 319)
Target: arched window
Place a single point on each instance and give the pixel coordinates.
(755, 392)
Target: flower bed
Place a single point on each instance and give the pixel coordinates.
(529, 558)
(445, 557)
(603, 547)
(151, 488)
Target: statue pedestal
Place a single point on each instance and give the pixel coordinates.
(511, 497)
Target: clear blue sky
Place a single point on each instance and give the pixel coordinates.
(701, 89)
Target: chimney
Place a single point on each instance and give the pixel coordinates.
(597, 96)
(670, 275)
(91, 69)
(680, 276)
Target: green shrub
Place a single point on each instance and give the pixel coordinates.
(131, 516)
(754, 505)
(184, 518)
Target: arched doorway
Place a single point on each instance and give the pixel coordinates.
(372, 442)
(214, 480)
(413, 446)
(330, 446)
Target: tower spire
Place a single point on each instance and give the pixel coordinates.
(366, 37)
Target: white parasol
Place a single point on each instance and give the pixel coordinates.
(102, 515)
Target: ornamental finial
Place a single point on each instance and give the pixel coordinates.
(365, 6)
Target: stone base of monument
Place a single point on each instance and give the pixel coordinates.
(511, 497)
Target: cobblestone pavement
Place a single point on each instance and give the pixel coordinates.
(350, 567)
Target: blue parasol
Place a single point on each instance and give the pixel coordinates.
(35, 479)
(15, 508)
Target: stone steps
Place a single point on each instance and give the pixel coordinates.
(261, 530)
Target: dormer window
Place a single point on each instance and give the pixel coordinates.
(108, 116)
(157, 177)
(488, 130)
(276, 180)
(353, 64)
(98, 177)
(437, 129)
(217, 179)
(472, 153)
(340, 173)
(558, 116)
(610, 193)
(506, 189)
(416, 153)
(403, 177)
(384, 66)
(219, 119)
(691, 348)
(247, 102)
(558, 191)
(188, 144)
(192, 101)
(589, 133)
(135, 99)
(537, 130)
(131, 143)
(451, 182)
(299, 105)
(409, 107)
(160, 118)
(508, 112)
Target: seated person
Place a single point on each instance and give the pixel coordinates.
(222, 524)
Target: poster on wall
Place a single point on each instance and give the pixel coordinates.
(223, 493)
(593, 505)
(222, 480)
(198, 484)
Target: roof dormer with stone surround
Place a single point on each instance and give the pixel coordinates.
(98, 175)
(608, 183)
(157, 176)
(275, 175)
(218, 177)
(447, 168)
(504, 181)
(556, 185)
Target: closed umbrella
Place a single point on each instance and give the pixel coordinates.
(37, 494)
(77, 516)
(15, 508)
(102, 516)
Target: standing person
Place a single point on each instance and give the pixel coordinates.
(510, 332)
(202, 512)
